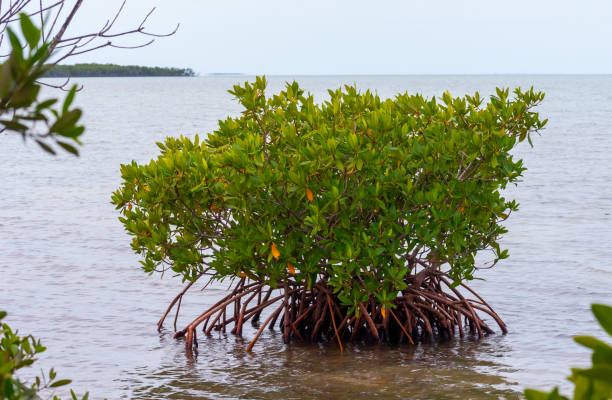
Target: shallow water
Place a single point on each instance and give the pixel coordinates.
(68, 276)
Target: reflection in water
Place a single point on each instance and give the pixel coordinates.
(223, 369)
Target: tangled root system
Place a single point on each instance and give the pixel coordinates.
(429, 309)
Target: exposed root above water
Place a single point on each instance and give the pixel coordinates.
(429, 309)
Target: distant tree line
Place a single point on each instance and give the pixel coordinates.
(112, 70)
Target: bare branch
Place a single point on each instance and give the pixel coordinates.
(55, 19)
(62, 30)
(55, 32)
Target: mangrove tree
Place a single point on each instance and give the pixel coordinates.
(358, 219)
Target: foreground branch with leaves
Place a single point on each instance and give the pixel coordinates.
(22, 110)
(35, 52)
(17, 352)
(593, 383)
(354, 220)
(56, 22)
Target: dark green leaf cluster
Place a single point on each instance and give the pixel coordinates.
(357, 191)
(112, 70)
(21, 109)
(593, 383)
(17, 352)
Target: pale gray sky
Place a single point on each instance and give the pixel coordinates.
(367, 37)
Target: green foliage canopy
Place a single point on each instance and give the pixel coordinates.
(112, 70)
(357, 191)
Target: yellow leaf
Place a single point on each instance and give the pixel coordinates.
(383, 311)
(290, 268)
(145, 188)
(274, 251)
(309, 194)
(350, 171)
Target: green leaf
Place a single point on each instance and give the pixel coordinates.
(583, 389)
(26, 346)
(15, 45)
(41, 54)
(67, 121)
(6, 80)
(598, 372)
(531, 394)
(46, 104)
(73, 133)
(589, 341)
(14, 126)
(9, 391)
(603, 314)
(30, 32)
(25, 96)
(69, 148)
(69, 99)
(61, 382)
(45, 147)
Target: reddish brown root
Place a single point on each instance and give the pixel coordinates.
(426, 311)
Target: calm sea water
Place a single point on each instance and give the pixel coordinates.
(68, 276)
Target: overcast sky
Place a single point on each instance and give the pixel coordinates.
(366, 37)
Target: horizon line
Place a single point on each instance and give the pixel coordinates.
(411, 74)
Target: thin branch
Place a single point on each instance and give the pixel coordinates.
(66, 23)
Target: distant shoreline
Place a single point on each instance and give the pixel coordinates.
(113, 70)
